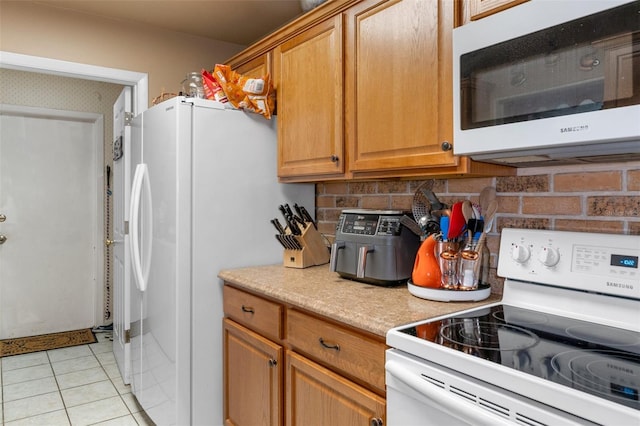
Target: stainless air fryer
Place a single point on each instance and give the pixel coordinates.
(372, 246)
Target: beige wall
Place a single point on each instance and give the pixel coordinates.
(166, 56)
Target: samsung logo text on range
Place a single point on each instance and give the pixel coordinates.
(620, 285)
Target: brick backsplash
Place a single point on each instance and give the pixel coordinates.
(587, 198)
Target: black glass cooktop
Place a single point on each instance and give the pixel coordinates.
(600, 360)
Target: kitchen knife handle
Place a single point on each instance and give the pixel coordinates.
(280, 239)
(288, 210)
(278, 226)
(293, 226)
(307, 217)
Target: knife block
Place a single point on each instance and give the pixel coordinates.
(314, 252)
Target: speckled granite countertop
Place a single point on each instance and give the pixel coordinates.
(367, 307)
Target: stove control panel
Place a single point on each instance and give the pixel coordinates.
(603, 263)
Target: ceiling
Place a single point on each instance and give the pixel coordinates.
(234, 21)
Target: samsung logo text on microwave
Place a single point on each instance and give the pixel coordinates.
(574, 129)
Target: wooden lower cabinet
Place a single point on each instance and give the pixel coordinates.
(273, 380)
(318, 396)
(252, 377)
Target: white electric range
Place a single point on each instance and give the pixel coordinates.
(562, 347)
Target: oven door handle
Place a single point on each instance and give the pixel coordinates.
(455, 406)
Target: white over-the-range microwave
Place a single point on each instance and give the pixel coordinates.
(549, 82)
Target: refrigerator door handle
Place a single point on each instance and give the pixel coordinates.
(140, 184)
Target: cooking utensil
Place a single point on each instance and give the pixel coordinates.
(492, 207)
(488, 217)
(456, 221)
(429, 225)
(433, 200)
(486, 195)
(424, 201)
(467, 211)
(411, 225)
(421, 205)
(444, 227)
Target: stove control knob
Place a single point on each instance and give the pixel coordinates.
(520, 253)
(549, 256)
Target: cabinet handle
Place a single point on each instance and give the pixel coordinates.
(273, 362)
(446, 146)
(248, 309)
(376, 421)
(327, 345)
(335, 158)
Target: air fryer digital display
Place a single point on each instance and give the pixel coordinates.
(371, 224)
(360, 224)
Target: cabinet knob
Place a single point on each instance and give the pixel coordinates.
(273, 362)
(376, 421)
(446, 146)
(335, 159)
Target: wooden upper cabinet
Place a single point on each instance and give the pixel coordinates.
(364, 91)
(398, 85)
(477, 9)
(257, 67)
(308, 75)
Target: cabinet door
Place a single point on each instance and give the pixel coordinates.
(257, 67)
(317, 396)
(398, 84)
(308, 70)
(481, 8)
(252, 378)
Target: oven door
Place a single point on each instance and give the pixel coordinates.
(424, 393)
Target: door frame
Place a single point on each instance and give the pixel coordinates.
(97, 129)
(139, 81)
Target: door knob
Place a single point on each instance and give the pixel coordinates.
(108, 242)
(2, 217)
(2, 239)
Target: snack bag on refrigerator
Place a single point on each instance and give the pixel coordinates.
(212, 89)
(252, 94)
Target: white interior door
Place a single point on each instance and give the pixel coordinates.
(50, 172)
(121, 189)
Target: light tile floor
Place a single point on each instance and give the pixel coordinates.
(80, 385)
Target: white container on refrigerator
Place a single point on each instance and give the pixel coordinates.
(204, 204)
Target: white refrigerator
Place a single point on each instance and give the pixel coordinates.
(204, 191)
